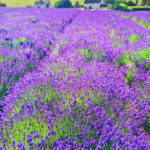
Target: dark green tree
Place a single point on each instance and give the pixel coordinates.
(77, 4)
(144, 2)
(112, 2)
(131, 3)
(137, 1)
(90, 7)
(2, 5)
(63, 4)
(58, 4)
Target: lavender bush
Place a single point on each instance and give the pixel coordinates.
(91, 90)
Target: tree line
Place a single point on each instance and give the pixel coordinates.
(2, 4)
(128, 3)
(66, 4)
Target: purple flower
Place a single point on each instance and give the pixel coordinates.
(39, 144)
(19, 145)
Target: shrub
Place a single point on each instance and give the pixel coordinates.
(131, 3)
(90, 7)
(63, 4)
(121, 6)
(2, 4)
(28, 6)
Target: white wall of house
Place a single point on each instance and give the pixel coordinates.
(102, 2)
(94, 5)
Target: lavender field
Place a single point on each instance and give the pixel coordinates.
(74, 80)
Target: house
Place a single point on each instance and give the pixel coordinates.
(94, 4)
(42, 4)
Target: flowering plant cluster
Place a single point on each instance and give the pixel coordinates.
(25, 39)
(91, 90)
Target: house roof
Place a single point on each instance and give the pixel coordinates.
(39, 3)
(92, 1)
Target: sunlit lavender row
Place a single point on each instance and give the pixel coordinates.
(25, 38)
(91, 90)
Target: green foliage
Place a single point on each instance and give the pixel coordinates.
(121, 61)
(1, 59)
(131, 3)
(2, 4)
(146, 124)
(90, 7)
(37, 28)
(100, 56)
(15, 43)
(147, 65)
(122, 16)
(40, 126)
(33, 20)
(121, 6)
(140, 8)
(146, 25)
(133, 18)
(88, 54)
(125, 59)
(7, 44)
(140, 22)
(3, 91)
(133, 38)
(63, 4)
(144, 54)
(29, 67)
(47, 45)
(111, 33)
(136, 56)
(28, 6)
(112, 2)
(116, 43)
(77, 4)
(129, 78)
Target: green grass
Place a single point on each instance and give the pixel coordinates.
(24, 3)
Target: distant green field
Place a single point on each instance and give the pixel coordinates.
(24, 3)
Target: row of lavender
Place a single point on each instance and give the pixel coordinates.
(25, 38)
(80, 96)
